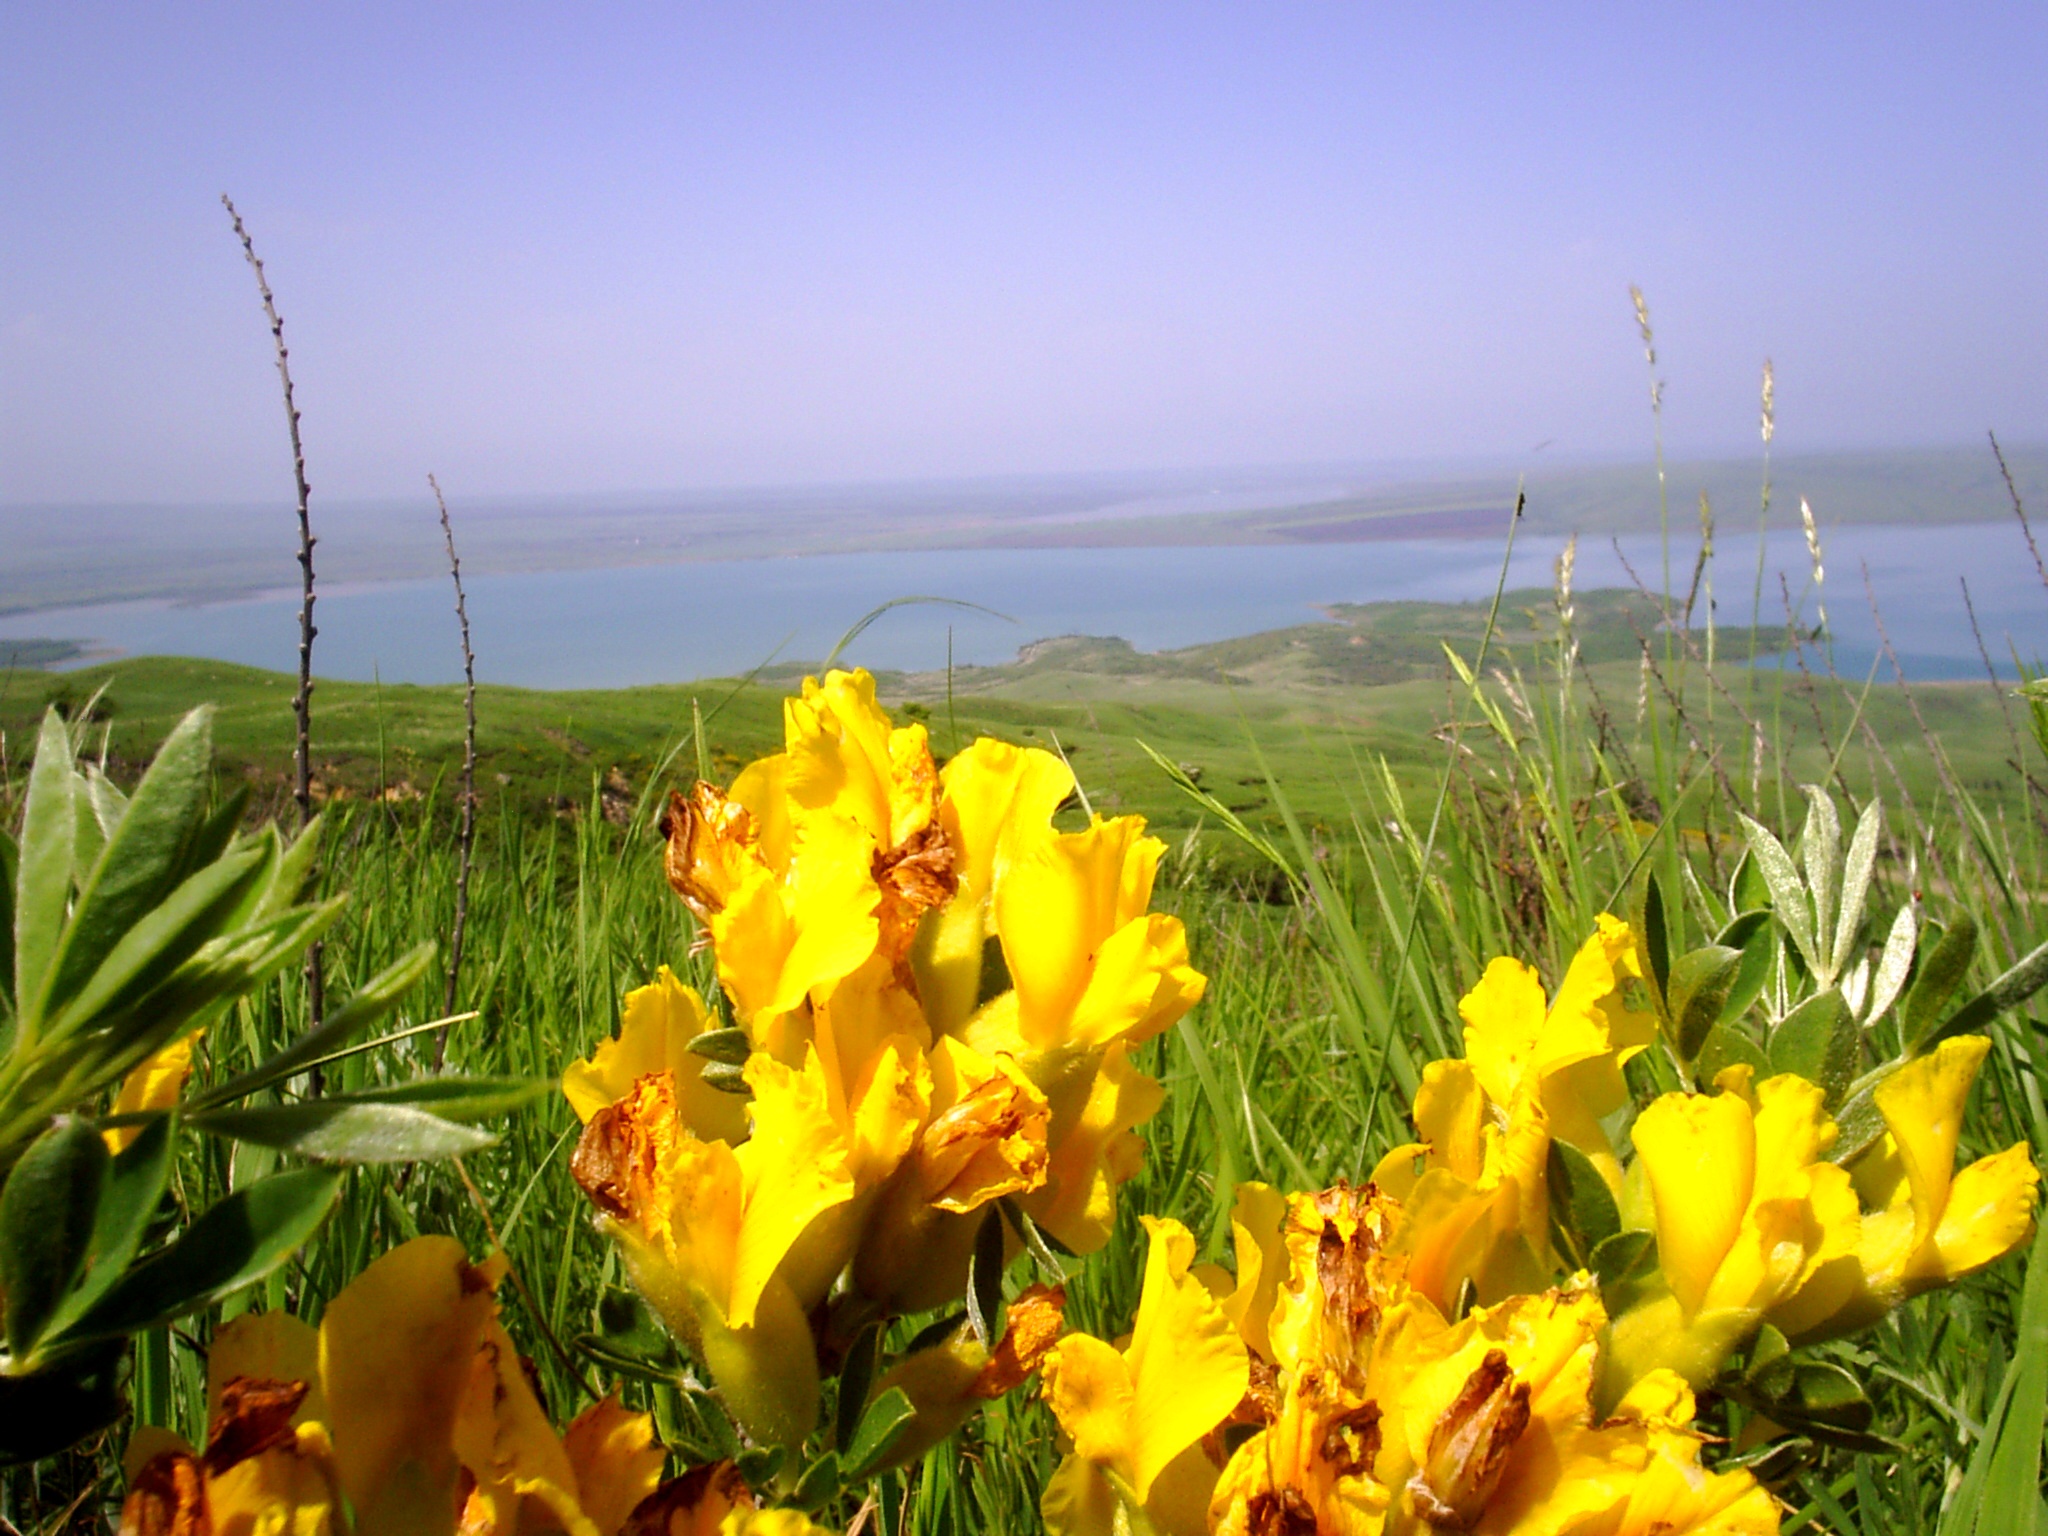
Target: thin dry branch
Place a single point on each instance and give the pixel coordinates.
(2018, 510)
(302, 701)
(466, 835)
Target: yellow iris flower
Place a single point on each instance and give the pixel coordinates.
(1137, 1416)
(1475, 1187)
(1372, 1416)
(1748, 1215)
(710, 1233)
(408, 1394)
(656, 1027)
(1928, 1223)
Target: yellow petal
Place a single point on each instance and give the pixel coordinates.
(288, 1490)
(1922, 1104)
(505, 1442)
(1188, 1367)
(996, 797)
(1503, 1016)
(1088, 1386)
(1699, 1153)
(617, 1461)
(1990, 1212)
(1095, 1153)
(842, 755)
(155, 1084)
(1078, 1501)
(1450, 1111)
(1059, 904)
(269, 1346)
(656, 1027)
(781, 936)
(1256, 1220)
(396, 1347)
(987, 1135)
(793, 1170)
(1793, 1132)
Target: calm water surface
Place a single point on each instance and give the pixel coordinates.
(612, 628)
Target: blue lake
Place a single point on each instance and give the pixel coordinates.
(643, 624)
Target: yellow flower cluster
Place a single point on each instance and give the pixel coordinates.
(939, 993)
(1406, 1357)
(409, 1410)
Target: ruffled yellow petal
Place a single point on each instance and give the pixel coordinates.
(1095, 1152)
(1256, 1221)
(1451, 1114)
(843, 755)
(617, 1461)
(506, 1444)
(268, 1346)
(793, 1170)
(1188, 1367)
(1922, 1104)
(1699, 1153)
(287, 1490)
(779, 937)
(1504, 1014)
(996, 797)
(1990, 1212)
(656, 1027)
(1088, 963)
(987, 1134)
(155, 1084)
(396, 1348)
(1089, 1388)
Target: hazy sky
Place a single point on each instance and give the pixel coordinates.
(605, 247)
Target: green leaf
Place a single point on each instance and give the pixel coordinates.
(1759, 948)
(2009, 991)
(1820, 849)
(134, 1187)
(1826, 1393)
(985, 1280)
(731, 1046)
(1700, 983)
(1942, 969)
(1725, 1046)
(1818, 1040)
(1894, 963)
(820, 1483)
(1623, 1256)
(882, 1428)
(727, 1077)
(336, 1131)
(161, 940)
(240, 1240)
(1747, 888)
(465, 1099)
(142, 861)
(1580, 1203)
(1769, 1368)
(292, 873)
(43, 885)
(10, 865)
(1788, 896)
(761, 1465)
(629, 1339)
(856, 1376)
(1653, 938)
(46, 1221)
(369, 1003)
(1856, 871)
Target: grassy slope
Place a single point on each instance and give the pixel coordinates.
(1318, 699)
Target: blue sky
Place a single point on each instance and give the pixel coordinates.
(569, 248)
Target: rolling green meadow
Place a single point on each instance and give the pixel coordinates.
(1356, 824)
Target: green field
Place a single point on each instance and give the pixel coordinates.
(1395, 829)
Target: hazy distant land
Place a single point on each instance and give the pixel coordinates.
(54, 556)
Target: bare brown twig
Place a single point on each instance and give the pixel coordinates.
(466, 836)
(302, 701)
